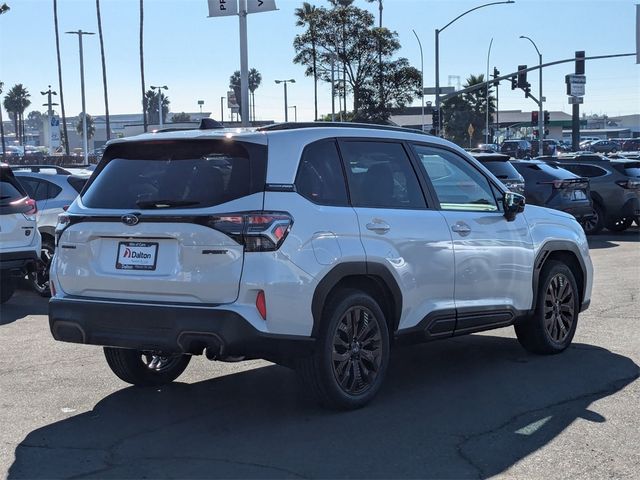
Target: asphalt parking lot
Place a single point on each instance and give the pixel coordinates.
(470, 407)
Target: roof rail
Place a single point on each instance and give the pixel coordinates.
(374, 126)
(37, 168)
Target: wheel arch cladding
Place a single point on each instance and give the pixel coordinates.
(373, 278)
(565, 252)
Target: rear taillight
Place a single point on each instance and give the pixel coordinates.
(33, 207)
(571, 183)
(633, 184)
(257, 231)
(27, 206)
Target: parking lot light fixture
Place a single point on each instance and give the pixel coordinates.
(286, 109)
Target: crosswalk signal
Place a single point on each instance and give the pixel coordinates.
(534, 118)
(546, 117)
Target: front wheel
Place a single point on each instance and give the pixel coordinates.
(145, 368)
(349, 363)
(553, 324)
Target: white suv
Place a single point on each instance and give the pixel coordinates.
(311, 245)
(19, 237)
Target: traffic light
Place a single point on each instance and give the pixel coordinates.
(496, 74)
(522, 76)
(514, 82)
(435, 118)
(534, 118)
(580, 62)
(535, 133)
(546, 117)
(527, 90)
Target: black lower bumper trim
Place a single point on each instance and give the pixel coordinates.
(169, 328)
(17, 260)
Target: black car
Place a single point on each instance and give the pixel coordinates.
(604, 146)
(554, 187)
(516, 148)
(631, 145)
(615, 189)
(549, 147)
(500, 166)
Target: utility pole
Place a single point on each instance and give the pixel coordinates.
(221, 109)
(540, 101)
(244, 65)
(85, 142)
(496, 84)
(486, 97)
(421, 79)
(286, 109)
(575, 114)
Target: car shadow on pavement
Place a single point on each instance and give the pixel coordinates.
(610, 240)
(22, 301)
(461, 408)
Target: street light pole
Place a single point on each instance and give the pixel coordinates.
(421, 77)
(221, 109)
(160, 109)
(486, 97)
(540, 103)
(85, 142)
(286, 109)
(437, 43)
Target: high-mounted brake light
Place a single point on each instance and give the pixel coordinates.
(257, 231)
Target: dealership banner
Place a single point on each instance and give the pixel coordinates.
(223, 8)
(257, 6)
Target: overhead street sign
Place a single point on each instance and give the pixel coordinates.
(575, 100)
(576, 78)
(443, 90)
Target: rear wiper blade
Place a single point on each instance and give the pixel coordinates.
(159, 203)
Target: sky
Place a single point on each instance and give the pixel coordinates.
(194, 55)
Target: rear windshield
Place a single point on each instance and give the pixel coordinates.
(10, 188)
(502, 170)
(176, 174)
(630, 169)
(543, 170)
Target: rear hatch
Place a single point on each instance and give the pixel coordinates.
(163, 221)
(503, 170)
(564, 186)
(17, 213)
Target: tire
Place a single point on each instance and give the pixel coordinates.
(39, 278)
(620, 224)
(552, 326)
(7, 287)
(594, 224)
(338, 374)
(145, 369)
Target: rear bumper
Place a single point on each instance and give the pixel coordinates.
(18, 260)
(168, 328)
(581, 212)
(631, 208)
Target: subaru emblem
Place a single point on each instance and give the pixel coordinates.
(130, 219)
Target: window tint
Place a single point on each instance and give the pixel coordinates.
(10, 189)
(458, 185)
(37, 189)
(380, 175)
(76, 182)
(502, 170)
(589, 171)
(320, 178)
(180, 174)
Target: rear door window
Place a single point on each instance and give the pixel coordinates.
(10, 189)
(177, 174)
(320, 178)
(380, 175)
(589, 171)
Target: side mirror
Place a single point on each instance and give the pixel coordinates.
(513, 204)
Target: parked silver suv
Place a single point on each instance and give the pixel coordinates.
(311, 245)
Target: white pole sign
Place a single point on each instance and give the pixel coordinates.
(223, 8)
(257, 6)
(54, 132)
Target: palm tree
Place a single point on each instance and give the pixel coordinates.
(144, 98)
(104, 71)
(308, 15)
(91, 126)
(255, 79)
(151, 101)
(16, 102)
(64, 116)
(342, 7)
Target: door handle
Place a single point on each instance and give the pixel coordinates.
(461, 228)
(378, 226)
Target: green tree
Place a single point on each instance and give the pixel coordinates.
(34, 119)
(151, 101)
(91, 126)
(255, 79)
(307, 16)
(16, 102)
(468, 109)
(64, 134)
(349, 34)
(181, 117)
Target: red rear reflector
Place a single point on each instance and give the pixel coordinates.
(261, 304)
(52, 287)
(65, 208)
